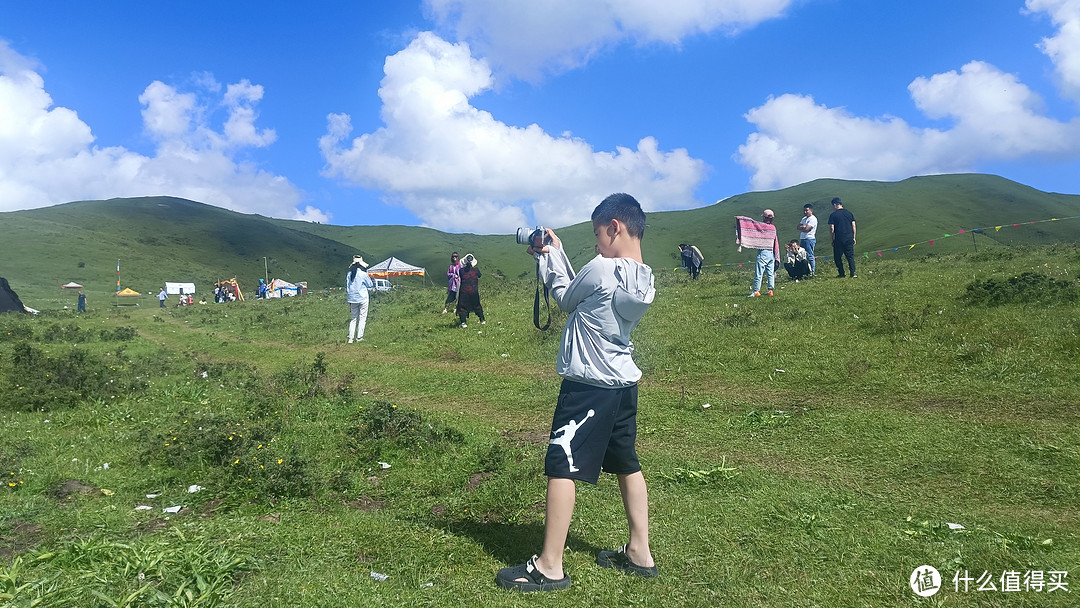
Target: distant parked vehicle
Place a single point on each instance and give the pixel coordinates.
(382, 285)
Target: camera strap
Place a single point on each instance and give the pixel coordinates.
(536, 302)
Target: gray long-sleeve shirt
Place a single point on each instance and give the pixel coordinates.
(606, 300)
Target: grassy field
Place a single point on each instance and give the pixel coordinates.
(809, 449)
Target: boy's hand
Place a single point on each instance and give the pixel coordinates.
(549, 239)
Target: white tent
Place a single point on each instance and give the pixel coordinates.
(71, 285)
(393, 267)
(279, 288)
(176, 288)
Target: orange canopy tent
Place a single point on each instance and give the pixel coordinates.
(393, 267)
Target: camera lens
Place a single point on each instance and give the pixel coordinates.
(523, 236)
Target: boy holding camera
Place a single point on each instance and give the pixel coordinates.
(595, 420)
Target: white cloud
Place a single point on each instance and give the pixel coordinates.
(48, 154)
(457, 167)
(530, 39)
(995, 115)
(1064, 47)
(992, 116)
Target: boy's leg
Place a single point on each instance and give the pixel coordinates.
(636, 502)
(561, 495)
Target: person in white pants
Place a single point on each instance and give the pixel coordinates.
(357, 283)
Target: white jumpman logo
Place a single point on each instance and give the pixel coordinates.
(568, 431)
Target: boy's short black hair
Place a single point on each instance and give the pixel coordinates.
(807, 206)
(622, 207)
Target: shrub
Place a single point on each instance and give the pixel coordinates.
(1025, 288)
(384, 421)
(66, 333)
(119, 334)
(247, 455)
(306, 381)
(38, 381)
(14, 328)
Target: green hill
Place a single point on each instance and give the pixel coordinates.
(156, 239)
(161, 239)
(889, 214)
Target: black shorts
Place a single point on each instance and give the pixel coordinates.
(593, 428)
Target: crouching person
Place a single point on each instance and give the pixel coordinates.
(595, 420)
(796, 262)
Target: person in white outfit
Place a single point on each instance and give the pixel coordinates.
(357, 283)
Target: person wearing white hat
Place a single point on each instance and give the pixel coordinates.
(357, 283)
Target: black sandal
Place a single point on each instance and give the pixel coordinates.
(619, 560)
(534, 579)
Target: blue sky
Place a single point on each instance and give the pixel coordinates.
(484, 115)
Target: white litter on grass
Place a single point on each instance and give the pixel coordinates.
(504, 355)
(152, 495)
(780, 371)
(706, 406)
(385, 465)
(143, 508)
(427, 585)
(856, 316)
(175, 509)
(104, 467)
(379, 577)
(954, 526)
(192, 489)
(204, 374)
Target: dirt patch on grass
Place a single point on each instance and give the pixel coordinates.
(24, 535)
(526, 437)
(210, 508)
(366, 503)
(476, 479)
(151, 526)
(72, 487)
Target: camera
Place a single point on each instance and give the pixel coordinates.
(525, 236)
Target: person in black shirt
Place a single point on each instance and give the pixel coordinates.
(842, 231)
